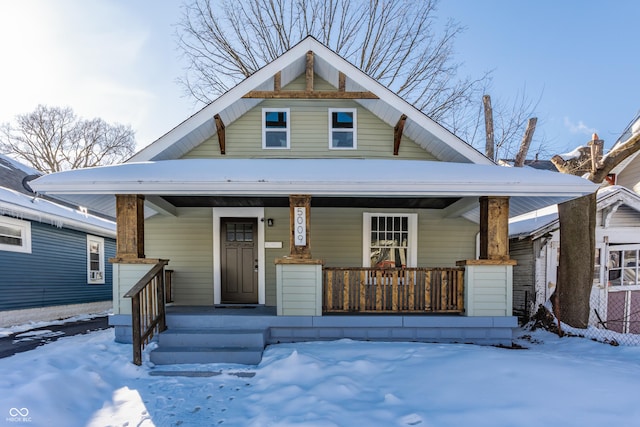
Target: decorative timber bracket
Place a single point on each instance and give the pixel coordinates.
(397, 133)
(220, 130)
(309, 92)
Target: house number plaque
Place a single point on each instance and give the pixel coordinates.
(300, 226)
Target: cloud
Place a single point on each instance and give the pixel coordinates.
(579, 127)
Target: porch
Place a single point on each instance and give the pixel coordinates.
(198, 334)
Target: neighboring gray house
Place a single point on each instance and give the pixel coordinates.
(53, 257)
(534, 244)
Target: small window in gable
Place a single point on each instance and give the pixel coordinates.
(95, 260)
(342, 128)
(15, 235)
(275, 128)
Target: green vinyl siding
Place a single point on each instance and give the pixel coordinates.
(336, 237)
(309, 121)
(186, 240)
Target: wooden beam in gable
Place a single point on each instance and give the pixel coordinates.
(277, 81)
(397, 133)
(303, 94)
(309, 71)
(220, 128)
(309, 92)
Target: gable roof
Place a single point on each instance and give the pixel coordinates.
(428, 134)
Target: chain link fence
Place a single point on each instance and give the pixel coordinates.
(614, 317)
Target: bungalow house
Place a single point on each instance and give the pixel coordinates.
(615, 297)
(304, 197)
(53, 258)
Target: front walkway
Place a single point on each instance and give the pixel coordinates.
(19, 342)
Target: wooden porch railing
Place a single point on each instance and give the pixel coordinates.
(394, 290)
(147, 308)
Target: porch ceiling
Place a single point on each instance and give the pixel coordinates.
(316, 202)
(333, 179)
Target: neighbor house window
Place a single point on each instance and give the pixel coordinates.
(95, 259)
(342, 128)
(15, 235)
(390, 240)
(623, 265)
(275, 128)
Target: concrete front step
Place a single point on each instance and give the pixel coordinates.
(182, 355)
(210, 345)
(197, 321)
(218, 338)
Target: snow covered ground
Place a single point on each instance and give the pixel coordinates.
(88, 380)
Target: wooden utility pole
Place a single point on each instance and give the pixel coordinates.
(488, 125)
(526, 142)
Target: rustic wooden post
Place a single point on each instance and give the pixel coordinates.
(309, 71)
(130, 226)
(494, 228)
(300, 210)
(136, 325)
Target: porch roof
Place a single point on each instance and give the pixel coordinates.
(530, 189)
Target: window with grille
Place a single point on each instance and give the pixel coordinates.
(342, 128)
(95, 260)
(275, 128)
(390, 240)
(239, 232)
(15, 235)
(623, 264)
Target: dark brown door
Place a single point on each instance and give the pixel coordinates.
(239, 261)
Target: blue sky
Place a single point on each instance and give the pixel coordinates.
(116, 59)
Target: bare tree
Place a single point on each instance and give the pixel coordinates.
(52, 139)
(393, 41)
(577, 229)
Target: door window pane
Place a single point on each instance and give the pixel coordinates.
(239, 232)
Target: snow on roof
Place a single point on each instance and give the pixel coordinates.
(546, 219)
(17, 165)
(322, 177)
(22, 206)
(533, 222)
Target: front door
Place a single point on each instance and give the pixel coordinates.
(239, 259)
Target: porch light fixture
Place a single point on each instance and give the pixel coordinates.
(269, 222)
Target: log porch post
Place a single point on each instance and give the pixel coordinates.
(494, 228)
(130, 226)
(299, 214)
(488, 281)
(298, 276)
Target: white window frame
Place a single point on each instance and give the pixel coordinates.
(623, 285)
(25, 235)
(95, 277)
(353, 130)
(265, 130)
(412, 244)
